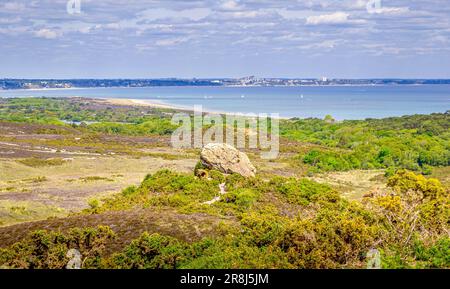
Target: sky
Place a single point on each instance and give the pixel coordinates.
(229, 38)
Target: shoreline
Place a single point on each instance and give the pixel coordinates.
(150, 103)
(141, 102)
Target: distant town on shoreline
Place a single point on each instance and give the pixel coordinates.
(245, 81)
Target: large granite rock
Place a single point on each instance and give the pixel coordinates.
(226, 159)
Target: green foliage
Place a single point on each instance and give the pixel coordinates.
(331, 161)
(198, 167)
(415, 212)
(433, 199)
(408, 224)
(417, 142)
(243, 198)
(151, 252)
(303, 191)
(277, 222)
(404, 181)
(48, 250)
(36, 162)
(99, 118)
(164, 188)
(263, 227)
(94, 205)
(419, 255)
(152, 126)
(435, 256)
(412, 142)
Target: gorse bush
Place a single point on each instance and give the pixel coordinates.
(407, 223)
(151, 252)
(187, 193)
(415, 211)
(414, 205)
(164, 188)
(48, 250)
(436, 255)
(303, 191)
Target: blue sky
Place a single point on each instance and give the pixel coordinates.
(229, 38)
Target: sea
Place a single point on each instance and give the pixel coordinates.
(341, 102)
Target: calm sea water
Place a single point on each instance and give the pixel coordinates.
(342, 102)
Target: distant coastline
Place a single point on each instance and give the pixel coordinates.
(236, 86)
(57, 84)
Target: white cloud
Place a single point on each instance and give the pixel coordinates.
(13, 6)
(172, 41)
(47, 34)
(293, 14)
(13, 30)
(163, 13)
(214, 26)
(251, 40)
(359, 4)
(393, 10)
(85, 29)
(323, 45)
(10, 20)
(230, 5)
(440, 38)
(335, 18)
(247, 14)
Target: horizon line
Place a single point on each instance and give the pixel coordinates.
(216, 78)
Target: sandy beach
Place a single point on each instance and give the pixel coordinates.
(140, 102)
(147, 103)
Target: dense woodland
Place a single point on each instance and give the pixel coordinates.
(277, 222)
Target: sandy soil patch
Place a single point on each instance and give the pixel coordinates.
(354, 184)
(70, 186)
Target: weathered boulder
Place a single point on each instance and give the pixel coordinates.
(226, 159)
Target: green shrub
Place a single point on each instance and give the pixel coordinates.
(302, 191)
(48, 250)
(151, 252)
(36, 162)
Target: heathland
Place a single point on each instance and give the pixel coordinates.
(102, 178)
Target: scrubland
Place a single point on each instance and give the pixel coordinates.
(103, 179)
